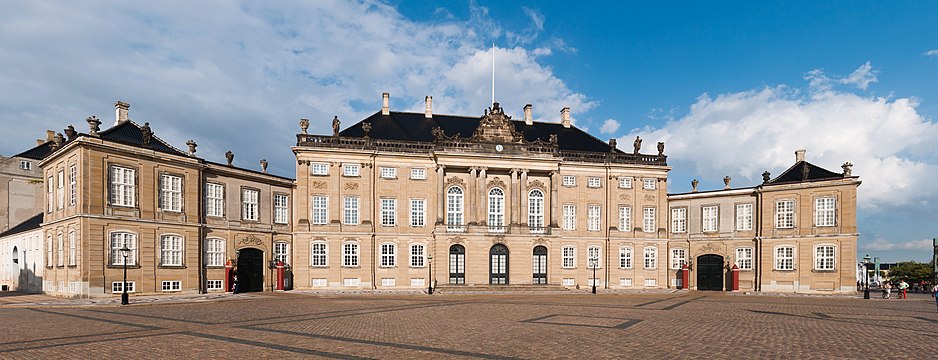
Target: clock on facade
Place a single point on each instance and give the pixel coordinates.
(499, 148)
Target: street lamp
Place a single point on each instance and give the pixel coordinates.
(429, 274)
(594, 262)
(866, 276)
(125, 252)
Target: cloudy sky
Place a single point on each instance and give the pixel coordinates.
(732, 89)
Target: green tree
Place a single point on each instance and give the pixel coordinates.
(911, 271)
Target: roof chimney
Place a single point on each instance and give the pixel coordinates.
(120, 112)
(428, 113)
(50, 135)
(385, 104)
(565, 117)
(799, 155)
(40, 141)
(528, 120)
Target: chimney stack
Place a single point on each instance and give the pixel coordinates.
(565, 117)
(428, 113)
(528, 120)
(385, 104)
(50, 135)
(799, 155)
(40, 142)
(120, 112)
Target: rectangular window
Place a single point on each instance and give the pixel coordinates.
(389, 173)
(785, 214)
(214, 284)
(351, 281)
(678, 258)
(678, 220)
(625, 218)
(281, 209)
(824, 257)
(249, 209)
(651, 258)
(785, 258)
(350, 169)
(744, 258)
(318, 282)
(569, 180)
(172, 285)
(215, 252)
(648, 220)
(388, 255)
(350, 254)
(649, 184)
(282, 252)
(710, 218)
(625, 183)
(118, 241)
(650, 282)
(49, 248)
(388, 282)
(593, 218)
(320, 210)
(350, 211)
(593, 182)
(118, 287)
(569, 217)
(594, 257)
(170, 250)
(318, 254)
(743, 217)
(51, 194)
(418, 174)
(214, 200)
(319, 169)
(170, 193)
(72, 185)
(418, 208)
(388, 212)
(625, 258)
(26, 165)
(123, 186)
(824, 211)
(60, 189)
(60, 247)
(569, 257)
(569, 281)
(625, 281)
(72, 248)
(417, 282)
(417, 255)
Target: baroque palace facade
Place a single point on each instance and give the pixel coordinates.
(417, 200)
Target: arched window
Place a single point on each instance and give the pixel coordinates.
(498, 265)
(318, 254)
(16, 255)
(536, 211)
(540, 264)
(454, 209)
(496, 210)
(457, 264)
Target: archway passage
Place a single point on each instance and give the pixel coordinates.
(710, 272)
(498, 265)
(457, 264)
(250, 270)
(540, 265)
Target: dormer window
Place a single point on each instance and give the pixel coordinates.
(26, 165)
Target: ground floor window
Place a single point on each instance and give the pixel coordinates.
(387, 282)
(785, 258)
(213, 285)
(118, 286)
(744, 258)
(625, 282)
(172, 285)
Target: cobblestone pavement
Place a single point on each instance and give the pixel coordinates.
(530, 326)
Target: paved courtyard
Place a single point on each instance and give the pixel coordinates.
(530, 326)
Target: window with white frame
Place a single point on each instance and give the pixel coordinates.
(626, 282)
(26, 165)
(388, 255)
(118, 241)
(214, 199)
(569, 180)
(568, 257)
(118, 287)
(678, 220)
(417, 255)
(281, 208)
(170, 250)
(648, 219)
(651, 258)
(214, 252)
(388, 282)
(824, 211)
(536, 211)
(710, 218)
(388, 212)
(418, 174)
(744, 258)
(625, 257)
(173, 285)
(60, 253)
(678, 258)
(249, 210)
(743, 217)
(350, 169)
(319, 282)
(72, 247)
(651, 282)
(417, 282)
(49, 249)
(318, 254)
(454, 208)
(593, 182)
(51, 194)
(625, 218)
(418, 210)
(351, 282)
(72, 185)
(496, 210)
(593, 218)
(214, 284)
(170, 192)
(282, 252)
(649, 184)
(785, 214)
(625, 182)
(824, 257)
(319, 168)
(785, 258)
(569, 217)
(594, 257)
(350, 254)
(61, 189)
(123, 186)
(350, 211)
(320, 210)
(388, 173)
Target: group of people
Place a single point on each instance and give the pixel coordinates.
(903, 288)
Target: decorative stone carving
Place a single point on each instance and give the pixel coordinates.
(319, 184)
(805, 171)
(229, 156)
(848, 169)
(625, 197)
(553, 139)
(302, 162)
(94, 125)
(766, 176)
(146, 134)
(71, 133)
(454, 181)
(304, 124)
(495, 126)
(366, 128)
(612, 145)
(649, 197)
(537, 184)
(457, 240)
(498, 239)
(496, 182)
(709, 248)
(192, 145)
(250, 240)
(351, 186)
(637, 145)
(437, 133)
(694, 185)
(58, 140)
(726, 182)
(264, 165)
(661, 148)
(336, 124)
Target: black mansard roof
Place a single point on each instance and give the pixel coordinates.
(804, 171)
(32, 223)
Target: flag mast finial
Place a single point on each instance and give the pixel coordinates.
(493, 73)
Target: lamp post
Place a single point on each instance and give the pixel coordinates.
(594, 262)
(429, 274)
(866, 277)
(125, 252)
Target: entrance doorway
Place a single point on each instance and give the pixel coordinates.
(710, 272)
(457, 264)
(498, 260)
(250, 270)
(540, 265)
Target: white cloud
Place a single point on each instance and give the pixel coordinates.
(861, 78)
(879, 244)
(610, 126)
(931, 53)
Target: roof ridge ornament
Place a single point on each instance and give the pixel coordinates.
(94, 125)
(146, 134)
(495, 126)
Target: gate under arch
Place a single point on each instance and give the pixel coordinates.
(710, 272)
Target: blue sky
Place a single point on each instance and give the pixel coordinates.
(733, 88)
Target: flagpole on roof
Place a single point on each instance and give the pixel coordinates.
(493, 73)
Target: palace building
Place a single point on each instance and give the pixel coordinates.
(404, 200)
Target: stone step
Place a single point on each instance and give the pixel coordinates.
(497, 288)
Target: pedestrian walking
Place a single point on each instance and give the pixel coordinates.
(234, 280)
(934, 293)
(887, 290)
(903, 289)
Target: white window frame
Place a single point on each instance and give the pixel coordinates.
(625, 257)
(825, 257)
(825, 211)
(455, 204)
(50, 187)
(319, 169)
(320, 205)
(679, 220)
(785, 258)
(214, 199)
(648, 219)
(215, 252)
(649, 184)
(351, 170)
(388, 172)
(650, 257)
(72, 247)
(123, 187)
(593, 218)
(318, 254)
(625, 182)
(710, 218)
(350, 254)
(60, 190)
(594, 252)
(625, 218)
(250, 198)
(170, 193)
(496, 209)
(49, 250)
(744, 258)
(171, 286)
(568, 256)
(214, 285)
(418, 174)
(26, 165)
(569, 217)
(171, 250)
(388, 255)
(743, 217)
(72, 185)
(568, 180)
(785, 214)
(418, 212)
(60, 249)
(593, 182)
(350, 210)
(281, 208)
(117, 239)
(536, 211)
(678, 258)
(418, 255)
(388, 212)
(282, 252)
(117, 287)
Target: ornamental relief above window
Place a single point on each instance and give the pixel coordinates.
(536, 184)
(454, 181)
(496, 182)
